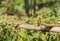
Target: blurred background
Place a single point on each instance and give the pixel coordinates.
(42, 12)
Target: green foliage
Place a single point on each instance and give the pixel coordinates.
(49, 13)
(9, 33)
(13, 5)
(2, 10)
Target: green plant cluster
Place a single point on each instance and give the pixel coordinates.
(13, 5)
(9, 33)
(48, 12)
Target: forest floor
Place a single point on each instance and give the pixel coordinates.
(10, 19)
